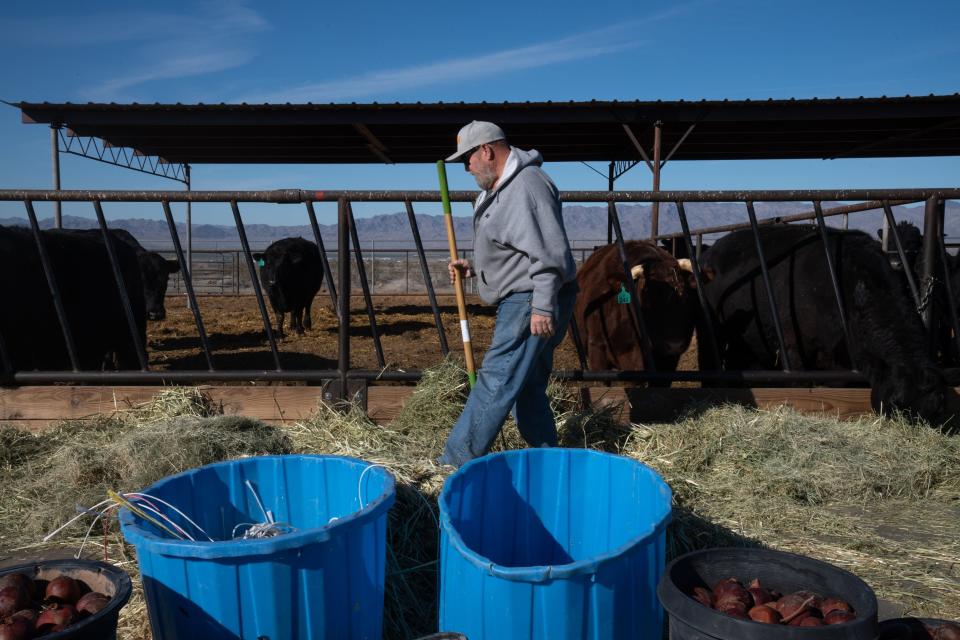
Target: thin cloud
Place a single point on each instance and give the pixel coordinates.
(152, 45)
(591, 44)
(197, 64)
(134, 25)
(579, 47)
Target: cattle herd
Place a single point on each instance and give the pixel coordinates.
(879, 333)
(884, 338)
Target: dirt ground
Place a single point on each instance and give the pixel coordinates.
(405, 324)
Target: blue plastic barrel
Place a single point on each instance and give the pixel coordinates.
(553, 543)
(323, 580)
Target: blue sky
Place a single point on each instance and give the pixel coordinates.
(364, 51)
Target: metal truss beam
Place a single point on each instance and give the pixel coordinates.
(103, 151)
(620, 167)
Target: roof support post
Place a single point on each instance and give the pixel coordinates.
(55, 156)
(610, 180)
(655, 208)
(189, 266)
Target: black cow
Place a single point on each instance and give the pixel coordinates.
(911, 240)
(668, 302)
(155, 270)
(886, 333)
(29, 326)
(932, 293)
(291, 272)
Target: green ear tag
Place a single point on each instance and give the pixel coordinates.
(624, 296)
(261, 263)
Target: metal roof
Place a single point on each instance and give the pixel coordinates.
(562, 131)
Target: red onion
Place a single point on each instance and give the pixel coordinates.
(946, 631)
(838, 616)
(764, 614)
(12, 599)
(19, 580)
(704, 596)
(58, 615)
(63, 589)
(16, 629)
(91, 603)
(30, 615)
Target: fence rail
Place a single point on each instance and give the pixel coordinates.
(351, 267)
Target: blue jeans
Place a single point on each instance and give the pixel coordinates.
(514, 376)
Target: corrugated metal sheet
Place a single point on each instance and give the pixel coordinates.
(562, 131)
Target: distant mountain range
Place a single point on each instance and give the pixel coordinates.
(584, 224)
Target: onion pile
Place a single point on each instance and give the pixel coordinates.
(760, 604)
(34, 608)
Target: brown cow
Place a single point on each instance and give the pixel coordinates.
(668, 302)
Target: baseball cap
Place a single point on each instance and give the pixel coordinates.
(473, 135)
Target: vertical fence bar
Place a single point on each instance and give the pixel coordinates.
(188, 285)
(343, 309)
(327, 276)
(256, 284)
(701, 295)
(236, 271)
(774, 308)
(947, 279)
(639, 326)
(371, 315)
(832, 269)
(121, 287)
(907, 269)
(427, 280)
(52, 283)
(930, 233)
(578, 343)
(373, 266)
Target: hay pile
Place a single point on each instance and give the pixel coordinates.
(879, 497)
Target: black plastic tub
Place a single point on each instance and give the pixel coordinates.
(785, 572)
(909, 628)
(99, 576)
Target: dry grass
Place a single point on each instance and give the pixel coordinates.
(880, 497)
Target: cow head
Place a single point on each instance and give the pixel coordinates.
(155, 273)
(275, 264)
(910, 239)
(668, 302)
(667, 291)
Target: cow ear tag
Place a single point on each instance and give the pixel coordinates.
(261, 263)
(624, 296)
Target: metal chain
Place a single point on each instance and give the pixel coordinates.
(927, 294)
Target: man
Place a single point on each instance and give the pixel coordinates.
(524, 264)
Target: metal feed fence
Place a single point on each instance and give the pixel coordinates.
(390, 271)
(352, 269)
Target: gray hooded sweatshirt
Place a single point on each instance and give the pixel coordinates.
(519, 242)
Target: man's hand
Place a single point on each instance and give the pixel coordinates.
(541, 325)
(466, 271)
